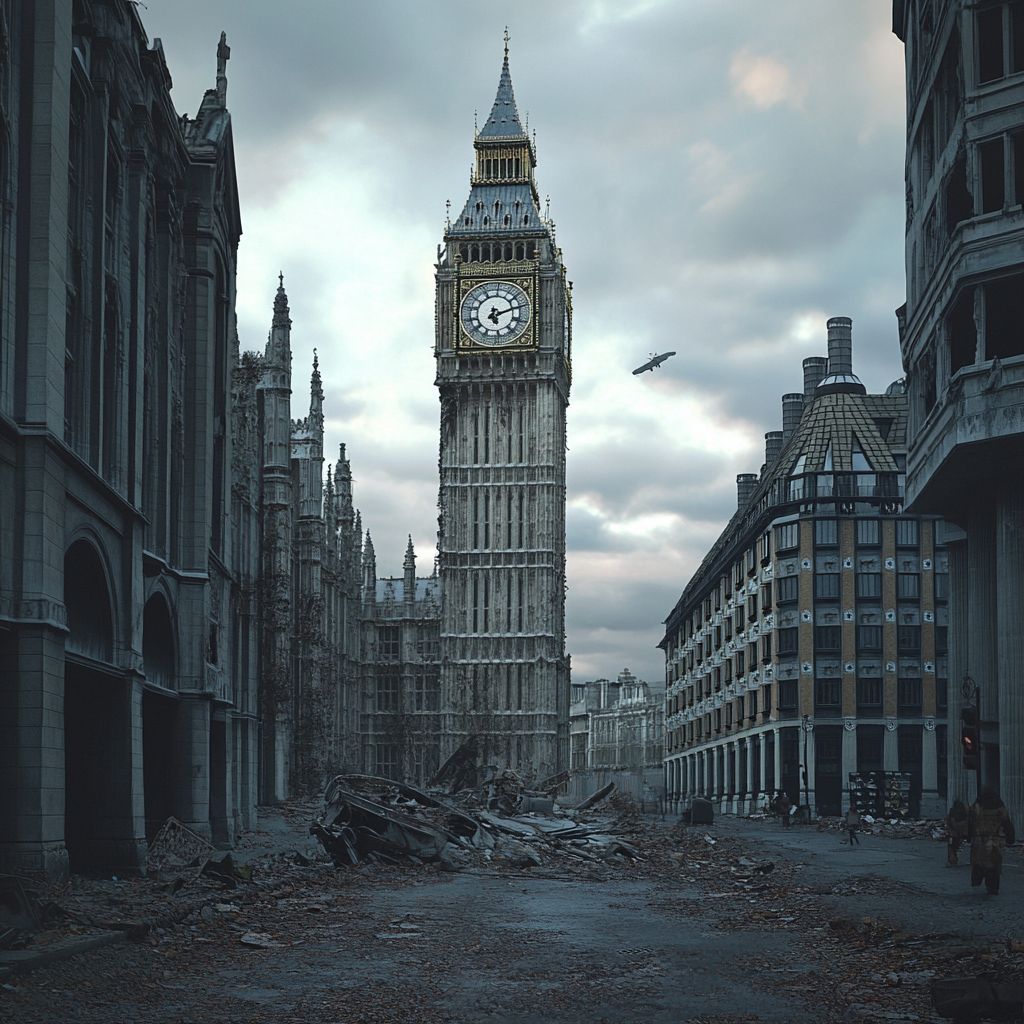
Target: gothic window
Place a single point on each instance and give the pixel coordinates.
(388, 761)
(427, 691)
(508, 526)
(388, 686)
(476, 520)
(519, 585)
(526, 220)
(476, 600)
(521, 503)
(508, 605)
(487, 522)
(389, 642)
(507, 221)
(487, 602)
(520, 250)
(487, 221)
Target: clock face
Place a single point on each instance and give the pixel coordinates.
(496, 313)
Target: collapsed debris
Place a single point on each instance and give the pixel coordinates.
(488, 817)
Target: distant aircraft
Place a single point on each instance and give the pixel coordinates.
(653, 363)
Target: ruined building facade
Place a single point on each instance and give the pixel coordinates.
(962, 341)
(128, 691)
(503, 332)
(811, 644)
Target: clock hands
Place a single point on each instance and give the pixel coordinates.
(494, 314)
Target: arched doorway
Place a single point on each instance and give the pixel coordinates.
(97, 757)
(159, 709)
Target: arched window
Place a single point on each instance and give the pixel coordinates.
(526, 219)
(519, 250)
(507, 221)
(487, 221)
(507, 253)
(474, 254)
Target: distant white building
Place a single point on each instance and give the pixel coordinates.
(616, 724)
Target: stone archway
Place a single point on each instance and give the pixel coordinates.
(97, 750)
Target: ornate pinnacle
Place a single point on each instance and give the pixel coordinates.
(281, 318)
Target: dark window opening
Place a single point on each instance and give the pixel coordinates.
(990, 44)
(787, 589)
(959, 203)
(869, 693)
(1017, 36)
(869, 638)
(993, 191)
(789, 641)
(908, 638)
(1004, 317)
(1018, 163)
(962, 334)
(828, 638)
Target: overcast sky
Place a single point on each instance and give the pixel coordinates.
(724, 177)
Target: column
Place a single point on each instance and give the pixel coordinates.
(192, 768)
(1010, 621)
(982, 611)
(749, 803)
(961, 782)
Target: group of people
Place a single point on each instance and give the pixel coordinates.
(987, 826)
(981, 827)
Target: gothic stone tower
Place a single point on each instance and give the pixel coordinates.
(503, 315)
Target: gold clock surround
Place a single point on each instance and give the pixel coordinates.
(523, 274)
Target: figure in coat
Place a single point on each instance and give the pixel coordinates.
(987, 819)
(956, 831)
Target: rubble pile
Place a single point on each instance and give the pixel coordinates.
(890, 828)
(496, 822)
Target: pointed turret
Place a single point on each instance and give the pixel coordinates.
(279, 345)
(223, 55)
(409, 565)
(369, 571)
(316, 397)
(503, 197)
(504, 121)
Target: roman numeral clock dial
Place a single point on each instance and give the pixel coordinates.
(495, 313)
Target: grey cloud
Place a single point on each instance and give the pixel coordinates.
(628, 112)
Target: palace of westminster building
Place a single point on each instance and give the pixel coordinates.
(191, 621)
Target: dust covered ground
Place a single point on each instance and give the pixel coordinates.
(739, 921)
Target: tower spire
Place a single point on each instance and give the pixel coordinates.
(504, 118)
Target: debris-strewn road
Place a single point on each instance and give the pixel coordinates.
(698, 931)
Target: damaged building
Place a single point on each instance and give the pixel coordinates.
(123, 696)
(809, 651)
(962, 343)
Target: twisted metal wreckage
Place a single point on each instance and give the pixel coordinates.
(473, 812)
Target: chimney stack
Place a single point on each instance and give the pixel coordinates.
(840, 345)
(792, 410)
(745, 484)
(772, 447)
(815, 371)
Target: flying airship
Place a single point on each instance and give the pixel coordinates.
(653, 363)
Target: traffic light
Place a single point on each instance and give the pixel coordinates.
(969, 738)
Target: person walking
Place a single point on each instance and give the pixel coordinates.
(782, 807)
(956, 831)
(852, 825)
(988, 816)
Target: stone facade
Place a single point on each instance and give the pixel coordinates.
(121, 593)
(616, 724)
(504, 387)
(811, 643)
(962, 343)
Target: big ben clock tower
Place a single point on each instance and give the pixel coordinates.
(504, 317)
